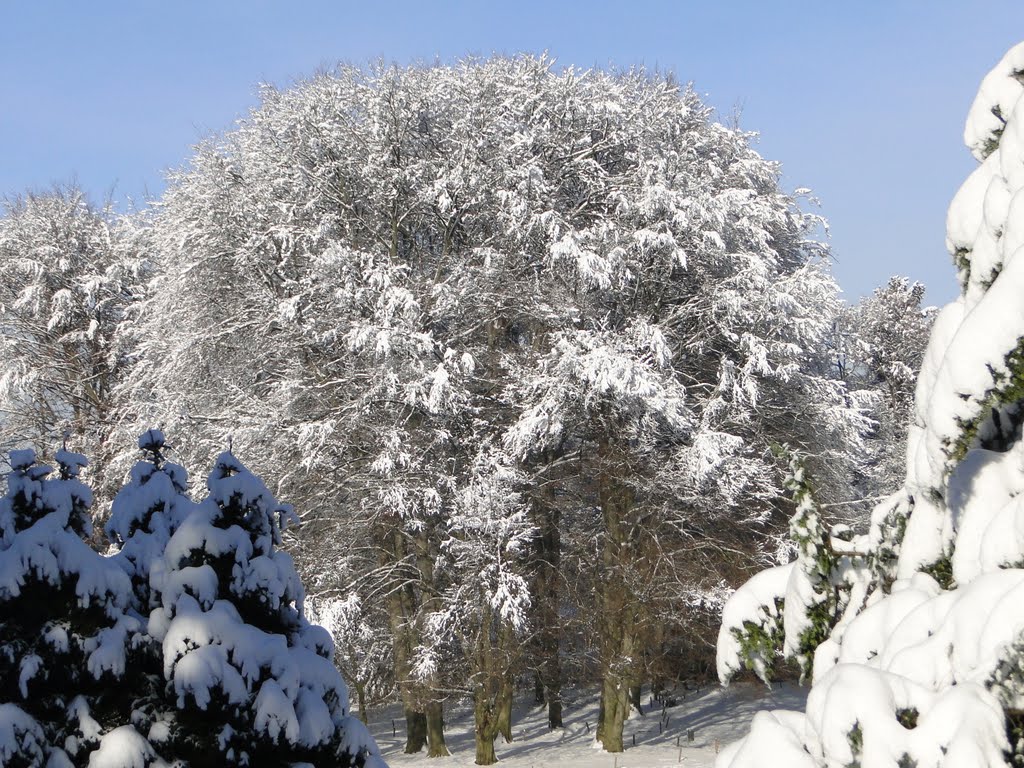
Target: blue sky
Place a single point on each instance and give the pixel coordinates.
(863, 102)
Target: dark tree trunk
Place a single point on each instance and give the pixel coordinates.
(555, 713)
(546, 593)
(415, 732)
(401, 609)
(657, 687)
(634, 698)
(361, 698)
(435, 731)
(618, 641)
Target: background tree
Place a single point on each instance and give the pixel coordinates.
(364, 649)
(483, 613)
(884, 338)
(70, 275)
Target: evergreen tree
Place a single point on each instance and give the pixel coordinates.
(65, 629)
(145, 512)
(250, 680)
(789, 611)
(189, 644)
(929, 670)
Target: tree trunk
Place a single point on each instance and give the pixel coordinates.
(613, 711)
(657, 687)
(361, 698)
(484, 728)
(401, 609)
(485, 754)
(538, 689)
(546, 592)
(616, 606)
(425, 555)
(634, 698)
(435, 731)
(504, 714)
(415, 732)
(555, 712)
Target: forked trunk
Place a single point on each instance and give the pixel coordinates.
(485, 754)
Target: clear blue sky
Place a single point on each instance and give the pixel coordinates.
(863, 102)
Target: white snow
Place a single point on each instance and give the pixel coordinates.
(716, 715)
(124, 747)
(920, 674)
(999, 91)
(753, 602)
(30, 666)
(275, 714)
(20, 735)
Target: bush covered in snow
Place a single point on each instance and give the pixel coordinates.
(930, 670)
(187, 647)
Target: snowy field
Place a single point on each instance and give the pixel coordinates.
(714, 714)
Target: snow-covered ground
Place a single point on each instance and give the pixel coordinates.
(714, 714)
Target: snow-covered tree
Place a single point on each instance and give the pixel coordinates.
(69, 277)
(189, 643)
(880, 342)
(789, 611)
(364, 649)
(65, 625)
(382, 270)
(250, 680)
(145, 512)
(928, 673)
(483, 612)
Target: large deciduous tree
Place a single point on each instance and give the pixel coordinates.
(382, 271)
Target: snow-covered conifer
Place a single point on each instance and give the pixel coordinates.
(250, 680)
(929, 671)
(146, 511)
(789, 611)
(65, 629)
